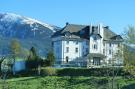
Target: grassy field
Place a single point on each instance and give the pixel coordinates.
(55, 82)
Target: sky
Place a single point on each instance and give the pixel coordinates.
(117, 14)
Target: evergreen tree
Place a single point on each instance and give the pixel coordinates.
(50, 59)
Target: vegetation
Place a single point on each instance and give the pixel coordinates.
(50, 59)
(67, 82)
(129, 54)
(48, 71)
(33, 55)
(15, 47)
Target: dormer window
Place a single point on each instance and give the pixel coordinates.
(95, 38)
(67, 34)
(82, 32)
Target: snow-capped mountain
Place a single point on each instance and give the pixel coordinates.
(29, 31)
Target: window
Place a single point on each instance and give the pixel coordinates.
(82, 32)
(96, 61)
(95, 46)
(110, 52)
(118, 44)
(76, 50)
(76, 42)
(67, 59)
(67, 42)
(67, 49)
(87, 50)
(95, 38)
(109, 61)
(110, 44)
(103, 51)
(103, 44)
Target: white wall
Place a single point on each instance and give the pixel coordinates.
(72, 46)
(59, 47)
(114, 49)
(97, 42)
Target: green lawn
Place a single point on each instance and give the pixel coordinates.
(55, 82)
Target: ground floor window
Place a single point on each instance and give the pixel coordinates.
(96, 61)
(67, 59)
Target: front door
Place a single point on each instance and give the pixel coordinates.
(96, 61)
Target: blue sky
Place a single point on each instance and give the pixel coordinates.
(118, 14)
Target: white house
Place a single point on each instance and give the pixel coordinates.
(87, 45)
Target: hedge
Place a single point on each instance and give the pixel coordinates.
(76, 72)
(90, 72)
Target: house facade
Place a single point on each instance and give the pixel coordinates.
(87, 46)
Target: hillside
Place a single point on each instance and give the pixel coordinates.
(28, 31)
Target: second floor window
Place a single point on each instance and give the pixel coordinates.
(95, 46)
(103, 44)
(103, 51)
(67, 49)
(110, 45)
(76, 50)
(110, 52)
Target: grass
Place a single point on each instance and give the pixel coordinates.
(67, 82)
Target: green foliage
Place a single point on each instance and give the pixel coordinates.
(33, 55)
(129, 55)
(129, 35)
(50, 59)
(67, 82)
(24, 54)
(15, 47)
(48, 71)
(89, 72)
(97, 72)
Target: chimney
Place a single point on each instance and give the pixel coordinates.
(67, 23)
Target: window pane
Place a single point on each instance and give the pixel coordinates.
(76, 42)
(67, 42)
(109, 51)
(76, 50)
(110, 44)
(67, 49)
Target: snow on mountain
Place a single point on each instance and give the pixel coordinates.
(30, 32)
(31, 21)
(11, 17)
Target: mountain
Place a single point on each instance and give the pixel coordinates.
(28, 31)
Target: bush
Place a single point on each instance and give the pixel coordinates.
(90, 72)
(48, 71)
(50, 59)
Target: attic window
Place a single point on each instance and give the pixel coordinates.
(94, 38)
(67, 34)
(82, 32)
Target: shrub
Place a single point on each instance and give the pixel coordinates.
(50, 59)
(48, 71)
(90, 72)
